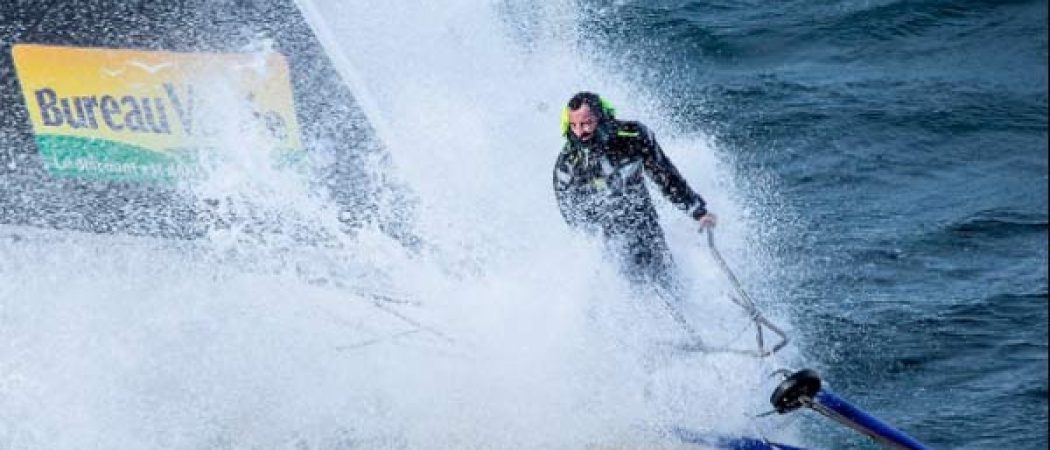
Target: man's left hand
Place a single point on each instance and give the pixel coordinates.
(707, 221)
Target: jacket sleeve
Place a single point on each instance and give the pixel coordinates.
(563, 188)
(664, 174)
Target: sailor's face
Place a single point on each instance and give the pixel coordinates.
(583, 122)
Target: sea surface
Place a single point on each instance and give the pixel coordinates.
(898, 153)
(879, 169)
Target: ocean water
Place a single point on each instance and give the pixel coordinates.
(879, 168)
(897, 151)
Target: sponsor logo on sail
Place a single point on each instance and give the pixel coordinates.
(132, 115)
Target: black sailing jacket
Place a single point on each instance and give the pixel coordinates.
(600, 187)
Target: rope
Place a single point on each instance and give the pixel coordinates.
(745, 301)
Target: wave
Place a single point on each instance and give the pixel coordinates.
(999, 224)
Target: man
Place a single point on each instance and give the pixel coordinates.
(600, 187)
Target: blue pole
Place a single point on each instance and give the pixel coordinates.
(837, 408)
(805, 389)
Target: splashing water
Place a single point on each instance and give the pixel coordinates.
(498, 328)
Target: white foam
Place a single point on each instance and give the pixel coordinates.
(506, 331)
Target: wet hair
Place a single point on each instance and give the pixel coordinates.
(601, 109)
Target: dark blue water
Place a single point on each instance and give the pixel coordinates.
(898, 150)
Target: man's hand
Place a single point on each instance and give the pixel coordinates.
(707, 221)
